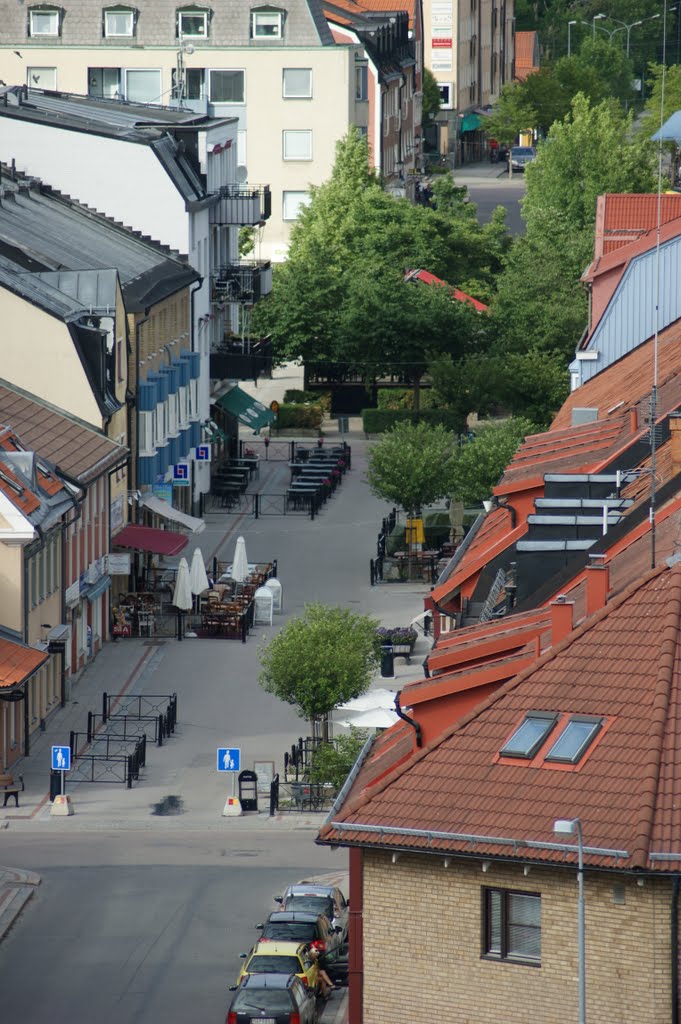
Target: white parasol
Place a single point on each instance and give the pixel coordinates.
(240, 561)
(378, 698)
(197, 574)
(376, 718)
(182, 595)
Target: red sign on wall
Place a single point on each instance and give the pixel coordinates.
(441, 43)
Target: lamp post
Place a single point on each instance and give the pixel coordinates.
(570, 24)
(595, 18)
(568, 827)
(633, 24)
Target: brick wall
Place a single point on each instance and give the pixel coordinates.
(422, 940)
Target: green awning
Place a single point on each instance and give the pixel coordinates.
(470, 123)
(247, 410)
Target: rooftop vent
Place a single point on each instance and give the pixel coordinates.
(580, 416)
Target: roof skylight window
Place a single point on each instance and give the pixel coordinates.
(574, 739)
(529, 736)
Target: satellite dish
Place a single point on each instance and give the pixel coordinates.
(241, 174)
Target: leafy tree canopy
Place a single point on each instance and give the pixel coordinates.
(333, 762)
(481, 463)
(320, 659)
(650, 121)
(354, 238)
(411, 464)
(431, 95)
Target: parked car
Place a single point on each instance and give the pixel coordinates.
(302, 926)
(275, 998)
(320, 899)
(281, 958)
(521, 156)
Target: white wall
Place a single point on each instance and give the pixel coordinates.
(121, 179)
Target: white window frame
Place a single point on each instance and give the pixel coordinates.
(361, 83)
(136, 71)
(296, 95)
(146, 429)
(123, 13)
(209, 86)
(183, 404)
(44, 12)
(193, 399)
(192, 13)
(299, 132)
(30, 72)
(257, 15)
(106, 93)
(302, 202)
(160, 425)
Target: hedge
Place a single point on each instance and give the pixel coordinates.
(376, 421)
(296, 397)
(303, 416)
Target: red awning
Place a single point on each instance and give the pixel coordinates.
(145, 538)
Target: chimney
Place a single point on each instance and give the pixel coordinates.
(561, 619)
(633, 420)
(675, 431)
(597, 584)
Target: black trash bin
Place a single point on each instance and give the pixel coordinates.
(248, 790)
(55, 784)
(387, 661)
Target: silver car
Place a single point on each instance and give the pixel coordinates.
(521, 156)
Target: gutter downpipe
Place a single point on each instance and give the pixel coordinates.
(410, 721)
(193, 328)
(676, 888)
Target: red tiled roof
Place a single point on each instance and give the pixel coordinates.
(574, 449)
(146, 538)
(17, 492)
(622, 218)
(427, 278)
(622, 665)
(373, 6)
(486, 640)
(628, 382)
(17, 663)
(622, 256)
(526, 54)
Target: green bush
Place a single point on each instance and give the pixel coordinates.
(307, 417)
(376, 421)
(295, 397)
(403, 398)
(332, 762)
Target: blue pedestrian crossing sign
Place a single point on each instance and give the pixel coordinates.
(229, 759)
(61, 759)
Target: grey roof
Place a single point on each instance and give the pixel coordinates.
(41, 230)
(146, 125)
(38, 291)
(91, 289)
(229, 24)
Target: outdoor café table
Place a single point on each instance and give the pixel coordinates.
(252, 465)
(300, 496)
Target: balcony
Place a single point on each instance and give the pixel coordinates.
(242, 204)
(248, 281)
(242, 360)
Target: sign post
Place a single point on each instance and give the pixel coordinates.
(61, 762)
(229, 760)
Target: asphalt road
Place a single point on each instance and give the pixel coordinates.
(141, 928)
(490, 195)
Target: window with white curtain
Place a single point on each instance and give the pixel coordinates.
(297, 83)
(297, 145)
(143, 86)
(292, 203)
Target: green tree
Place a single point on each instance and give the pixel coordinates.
(333, 762)
(320, 659)
(481, 463)
(650, 122)
(411, 464)
(540, 302)
(512, 114)
(353, 230)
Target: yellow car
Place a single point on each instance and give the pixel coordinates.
(282, 958)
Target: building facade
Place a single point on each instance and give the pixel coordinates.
(277, 70)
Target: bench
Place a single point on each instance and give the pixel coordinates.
(8, 788)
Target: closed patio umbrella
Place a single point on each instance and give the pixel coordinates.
(240, 562)
(182, 595)
(197, 574)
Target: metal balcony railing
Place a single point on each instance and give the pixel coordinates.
(247, 281)
(242, 204)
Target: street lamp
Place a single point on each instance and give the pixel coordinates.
(568, 827)
(570, 23)
(633, 24)
(596, 18)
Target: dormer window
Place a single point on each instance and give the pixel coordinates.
(44, 21)
(529, 736)
(192, 23)
(574, 739)
(119, 22)
(267, 23)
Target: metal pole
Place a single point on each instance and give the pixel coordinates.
(580, 925)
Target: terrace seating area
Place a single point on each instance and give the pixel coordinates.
(316, 473)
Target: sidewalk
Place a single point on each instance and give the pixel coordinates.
(16, 889)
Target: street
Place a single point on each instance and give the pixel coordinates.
(142, 918)
(489, 186)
